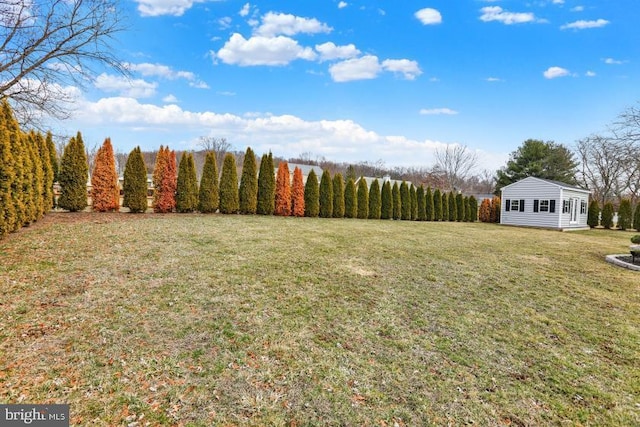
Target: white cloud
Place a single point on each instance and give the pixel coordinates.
(409, 69)
(170, 99)
(577, 9)
(329, 51)
(590, 74)
(438, 111)
(364, 68)
(165, 7)
(260, 50)
(245, 10)
(134, 88)
(555, 72)
(225, 22)
(557, 1)
(342, 5)
(159, 70)
(582, 24)
(429, 16)
(611, 61)
(493, 79)
(280, 23)
(496, 13)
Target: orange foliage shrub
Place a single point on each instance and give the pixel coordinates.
(165, 181)
(297, 194)
(283, 191)
(105, 194)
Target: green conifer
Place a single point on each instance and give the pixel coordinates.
(266, 186)
(405, 201)
(386, 206)
(350, 200)
(473, 209)
(413, 196)
(209, 193)
(429, 208)
(453, 208)
(73, 176)
(47, 173)
(187, 187)
(375, 207)
(7, 176)
(636, 217)
(460, 210)
(607, 215)
(326, 195)
(422, 208)
(311, 196)
(437, 205)
(338, 196)
(249, 183)
(134, 186)
(397, 201)
(229, 197)
(625, 214)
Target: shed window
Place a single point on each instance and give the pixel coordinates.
(565, 206)
(541, 205)
(583, 207)
(515, 205)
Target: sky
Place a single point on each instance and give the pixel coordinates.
(356, 81)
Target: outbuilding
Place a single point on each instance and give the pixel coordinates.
(537, 202)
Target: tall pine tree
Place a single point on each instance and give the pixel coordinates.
(73, 176)
(311, 196)
(326, 195)
(405, 201)
(297, 193)
(386, 207)
(229, 197)
(397, 201)
(375, 207)
(460, 210)
(266, 186)
(249, 184)
(134, 186)
(105, 193)
(209, 194)
(422, 212)
(437, 205)
(363, 199)
(350, 200)
(187, 185)
(338, 196)
(283, 191)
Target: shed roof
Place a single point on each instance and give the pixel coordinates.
(560, 184)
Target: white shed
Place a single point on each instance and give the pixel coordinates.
(536, 202)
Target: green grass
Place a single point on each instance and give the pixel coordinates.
(247, 320)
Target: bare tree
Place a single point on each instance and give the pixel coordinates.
(121, 161)
(47, 44)
(455, 162)
(219, 146)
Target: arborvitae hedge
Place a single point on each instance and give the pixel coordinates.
(283, 191)
(460, 209)
(467, 210)
(422, 209)
(445, 206)
(453, 206)
(134, 187)
(326, 195)
(625, 214)
(105, 193)
(311, 196)
(164, 181)
(414, 202)
(74, 173)
(485, 211)
(209, 195)
(297, 193)
(350, 200)
(47, 172)
(496, 206)
(35, 177)
(636, 217)
(249, 183)
(266, 186)
(429, 206)
(405, 201)
(187, 187)
(229, 199)
(396, 201)
(362, 196)
(607, 215)
(473, 209)
(53, 154)
(386, 206)
(593, 214)
(375, 208)
(437, 205)
(338, 196)
(7, 176)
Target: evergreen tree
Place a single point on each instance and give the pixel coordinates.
(593, 214)
(422, 212)
(625, 214)
(351, 173)
(297, 193)
(429, 208)
(496, 206)
(460, 209)
(437, 205)
(607, 215)
(311, 196)
(405, 201)
(47, 173)
(7, 176)
(266, 186)
(338, 196)
(229, 198)
(36, 177)
(164, 181)
(397, 201)
(473, 209)
(209, 196)
(249, 184)
(326, 195)
(386, 207)
(453, 207)
(375, 208)
(283, 191)
(467, 210)
(105, 193)
(362, 196)
(636, 217)
(485, 211)
(53, 155)
(73, 176)
(414, 202)
(350, 200)
(28, 189)
(134, 187)
(187, 185)
(12, 170)
(445, 206)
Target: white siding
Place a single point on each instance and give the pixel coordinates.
(565, 218)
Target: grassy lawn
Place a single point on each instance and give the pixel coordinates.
(245, 320)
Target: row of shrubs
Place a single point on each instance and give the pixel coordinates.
(628, 218)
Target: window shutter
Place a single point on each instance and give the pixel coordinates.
(521, 205)
(552, 206)
(507, 205)
(535, 205)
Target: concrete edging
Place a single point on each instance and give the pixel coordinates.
(613, 259)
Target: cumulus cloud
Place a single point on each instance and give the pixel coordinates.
(245, 10)
(274, 24)
(582, 24)
(429, 16)
(134, 88)
(170, 99)
(590, 74)
(438, 111)
(330, 52)
(159, 70)
(364, 68)
(611, 61)
(259, 50)
(342, 5)
(496, 13)
(493, 79)
(409, 69)
(165, 7)
(577, 9)
(555, 72)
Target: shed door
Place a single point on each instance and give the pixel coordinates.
(575, 205)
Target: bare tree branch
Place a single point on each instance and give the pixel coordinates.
(455, 162)
(219, 146)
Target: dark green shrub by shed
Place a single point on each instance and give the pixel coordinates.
(636, 217)
(460, 209)
(187, 187)
(386, 206)
(363, 199)
(338, 196)
(266, 186)
(311, 196)
(405, 201)
(350, 201)
(249, 184)
(134, 187)
(374, 200)
(607, 215)
(625, 214)
(396, 200)
(229, 200)
(326, 195)
(437, 205)
(593, 214)
(74, 173)
(473, 209)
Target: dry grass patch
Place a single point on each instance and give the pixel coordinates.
(247, 320)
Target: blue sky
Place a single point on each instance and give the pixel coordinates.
(363, 80)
